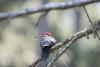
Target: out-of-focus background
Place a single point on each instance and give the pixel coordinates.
(19, 48)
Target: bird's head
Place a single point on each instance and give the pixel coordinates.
(45, 34)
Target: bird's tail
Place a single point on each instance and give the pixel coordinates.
(45, 53)
(44, 56)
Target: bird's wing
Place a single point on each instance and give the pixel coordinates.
(47, 42)
(44, 43)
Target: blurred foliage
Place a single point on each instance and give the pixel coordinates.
(19, 48)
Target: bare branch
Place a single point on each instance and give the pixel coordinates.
(87, 15)
(95, 33)
(75, 37)
(69, 40)
(72, 59)
(35, 62)
(50, 6)
(61, 51)
(41, 17)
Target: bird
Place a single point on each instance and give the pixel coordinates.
(46, 43)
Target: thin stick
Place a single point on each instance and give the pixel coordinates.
(87, 15)
(71, 59)
(95, 33)
(41, 17)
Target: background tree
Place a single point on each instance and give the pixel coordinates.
(19, 48)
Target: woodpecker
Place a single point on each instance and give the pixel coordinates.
(46, 42)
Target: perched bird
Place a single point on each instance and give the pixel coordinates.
(46, 42)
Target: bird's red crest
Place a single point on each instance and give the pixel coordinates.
(47, 33)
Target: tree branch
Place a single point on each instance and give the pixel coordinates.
(95, 33)
(43, 14)
(75, 38)
(50, 6)
(61, 51)
(35, 62)
(69, 40)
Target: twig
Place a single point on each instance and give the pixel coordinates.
(87, 15)
(35, 62)
(40, 18)
(95, 33)
(42, 8)
(71, 59)
(78, 35)
(60, 52)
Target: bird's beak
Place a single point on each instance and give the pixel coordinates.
(36, 37)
